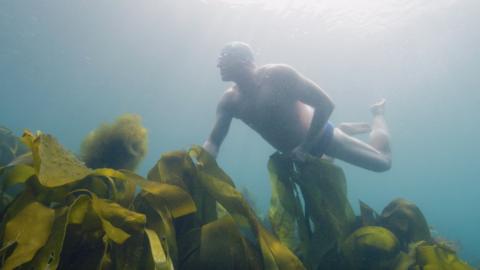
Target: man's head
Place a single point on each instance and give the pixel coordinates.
(235, 60)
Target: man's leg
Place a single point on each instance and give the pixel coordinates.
(354, 128)
(351, 128)
(375, 155)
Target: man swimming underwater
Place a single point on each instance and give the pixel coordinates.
(291, 113)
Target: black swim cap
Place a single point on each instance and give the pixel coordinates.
(238, 49)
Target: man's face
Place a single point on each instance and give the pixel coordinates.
(230, 66)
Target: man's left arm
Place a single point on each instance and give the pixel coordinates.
(311, 94)
(308, 92)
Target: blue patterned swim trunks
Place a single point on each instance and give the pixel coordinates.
(322, 144)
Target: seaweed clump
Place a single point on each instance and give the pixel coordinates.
(121, 145)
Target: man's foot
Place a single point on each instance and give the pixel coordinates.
(355, 128)
(378, 108)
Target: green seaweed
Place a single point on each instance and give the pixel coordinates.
(368, 216)
(218, 245)
(177, 168)
(189, 215)
(285, 214)
(439, 258)
(219, 185)
(10, 146)
(406, 221)
(29, 229)
(327, 217)
(72, 214)
(323, 187)
(95, 213)
(372, 248)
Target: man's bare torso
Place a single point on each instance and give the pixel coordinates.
(271, 109)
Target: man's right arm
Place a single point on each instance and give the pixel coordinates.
(221, 127)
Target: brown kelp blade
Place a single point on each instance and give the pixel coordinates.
(325, 218)
(217, 183)
(323, 187)
(160, 259)
(30, 229)
(177, 168)
(11, 146)
(54, 165)
(368, 216)
(48, 256)
(438, 258)
(285, 213)
(218, 245)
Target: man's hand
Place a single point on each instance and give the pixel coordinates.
(211, 148)
(299, 153)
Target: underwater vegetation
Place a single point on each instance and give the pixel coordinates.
(10, 146)
(121, 145)
(325, 234)
(453, 244)
(188, 214)
(249, 197)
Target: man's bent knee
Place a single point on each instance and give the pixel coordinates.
(383, 165)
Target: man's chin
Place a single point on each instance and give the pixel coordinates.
(225, 78)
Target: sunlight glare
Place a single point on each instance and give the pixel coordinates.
(363, 14)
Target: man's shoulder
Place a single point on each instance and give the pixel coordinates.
(229, 100)
(277, 70)
(275, 74)
(230, 94)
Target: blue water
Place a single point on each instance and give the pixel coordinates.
(67, 66)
